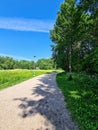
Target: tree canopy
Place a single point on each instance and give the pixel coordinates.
(75, 35)
(10, 63)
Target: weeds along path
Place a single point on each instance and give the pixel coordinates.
(36, 104)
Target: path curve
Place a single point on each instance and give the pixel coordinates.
(35, 104)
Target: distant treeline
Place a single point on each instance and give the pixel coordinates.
(10, 63)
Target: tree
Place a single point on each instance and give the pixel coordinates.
(63, 35)
(6, 62)
(10, 63)
(75, 34)
(91, 7)
(45, 64)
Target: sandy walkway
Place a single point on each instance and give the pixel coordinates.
(36, 104)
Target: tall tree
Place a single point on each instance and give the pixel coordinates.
(64, 33)
(75, 34)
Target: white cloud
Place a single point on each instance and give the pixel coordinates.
(26, 24)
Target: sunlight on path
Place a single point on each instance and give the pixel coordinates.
(36, 104)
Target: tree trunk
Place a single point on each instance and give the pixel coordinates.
(70, 55)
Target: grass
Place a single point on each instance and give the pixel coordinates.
(81, 95)
(12, 77)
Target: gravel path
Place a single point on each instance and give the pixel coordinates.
(36, 104)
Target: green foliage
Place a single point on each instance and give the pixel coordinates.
(81, 95)
(70, 77)
(62, 35)
(90, 63)
(75, 35)
(10, 63)
(6, 62)
(11, 77)
(45, 64)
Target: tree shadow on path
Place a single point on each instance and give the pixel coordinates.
(51, 106)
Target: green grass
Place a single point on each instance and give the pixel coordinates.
(81, 95)
(12, 77)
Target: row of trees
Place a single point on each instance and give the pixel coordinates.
(10, 63)
(75, 35)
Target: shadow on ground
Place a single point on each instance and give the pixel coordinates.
(51, 106)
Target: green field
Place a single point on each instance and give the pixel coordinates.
(12, 77)
(81, 95)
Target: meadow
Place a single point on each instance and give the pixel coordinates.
(12, 77)
(81, 95)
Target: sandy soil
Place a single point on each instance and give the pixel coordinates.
(36, 104)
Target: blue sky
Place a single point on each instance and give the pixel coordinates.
(24, 27)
